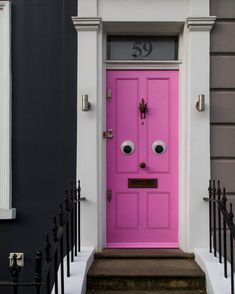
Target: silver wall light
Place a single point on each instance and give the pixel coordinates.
(200, 105)
(86, 105)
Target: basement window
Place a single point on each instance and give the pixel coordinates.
(142, 47)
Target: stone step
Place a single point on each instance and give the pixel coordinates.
(147, 292)
(145, 274)
(144, 253)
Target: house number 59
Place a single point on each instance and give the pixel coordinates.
(142, 49)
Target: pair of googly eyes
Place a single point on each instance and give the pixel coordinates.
(128, 147)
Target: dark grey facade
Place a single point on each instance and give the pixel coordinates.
(44, 79)
(223, 94)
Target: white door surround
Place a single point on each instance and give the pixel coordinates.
(191, 21)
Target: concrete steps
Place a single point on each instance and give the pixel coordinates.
(144, 254)
(146, 292)
(137, 271)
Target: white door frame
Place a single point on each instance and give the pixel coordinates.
(194, 146)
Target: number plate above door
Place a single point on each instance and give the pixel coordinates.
(142, 47)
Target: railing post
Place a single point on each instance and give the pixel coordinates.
(219, 222)
(47, 249)
(214, 217)
(210, 216)
(55, 239)
(75, 218)
(231, 248)
(66, 201)
(72, 222)
(15, 289)
(79, 216)
(61, 221)
(38, 271)
(14, 273)
(224, 201)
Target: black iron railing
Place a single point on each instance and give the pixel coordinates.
(221, 228)
(63, 241)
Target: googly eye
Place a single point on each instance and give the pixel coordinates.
(159, 147)
(127, 147)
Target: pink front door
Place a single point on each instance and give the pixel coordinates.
(142, 159)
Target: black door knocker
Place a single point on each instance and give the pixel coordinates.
(143, 107)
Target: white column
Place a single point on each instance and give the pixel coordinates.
(6, 210)
(87, 126)
(195, 170)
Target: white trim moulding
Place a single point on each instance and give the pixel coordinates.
(86, 23)
(143, 64)
(6, 210)
(200, 23)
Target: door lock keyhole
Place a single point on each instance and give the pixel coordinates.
(142, 165)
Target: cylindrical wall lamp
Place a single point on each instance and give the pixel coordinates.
(200, 105)
(85, 103)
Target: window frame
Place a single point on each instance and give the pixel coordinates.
(6, 210)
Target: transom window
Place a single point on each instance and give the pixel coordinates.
(142, 47)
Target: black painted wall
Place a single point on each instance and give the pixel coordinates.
(44, 64)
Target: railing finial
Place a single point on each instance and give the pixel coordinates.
(224, 198)
(79, 185)
(61, 215)
(55, 230)
(231, 215)
(219, 191)
(47, 249)
(214, 188)
(38, 268)
(210, 188)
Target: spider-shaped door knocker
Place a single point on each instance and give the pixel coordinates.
(143, 107)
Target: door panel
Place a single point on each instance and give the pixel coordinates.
(142, 216)
(158, 210)
(158, 123)
(126, 128)
(127, 208)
